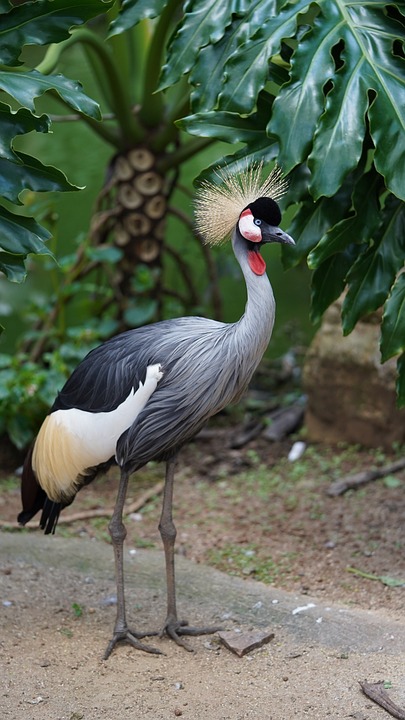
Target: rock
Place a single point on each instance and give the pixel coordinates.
(244, 642)
(351, 395)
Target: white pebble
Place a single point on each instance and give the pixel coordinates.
(297, 451)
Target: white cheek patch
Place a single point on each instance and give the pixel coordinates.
(247, 227)
(70, 441)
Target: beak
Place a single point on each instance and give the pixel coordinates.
(275, 234)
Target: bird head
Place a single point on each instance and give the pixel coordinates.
(259, 223)
(245, 204)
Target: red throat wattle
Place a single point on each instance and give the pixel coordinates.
(256, 262)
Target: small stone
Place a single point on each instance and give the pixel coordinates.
(244, 642)
(178, 712)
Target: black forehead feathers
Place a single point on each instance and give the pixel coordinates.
(266, 209)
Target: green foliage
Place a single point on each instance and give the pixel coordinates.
(318, 86)
(322, 85)
(38, 23)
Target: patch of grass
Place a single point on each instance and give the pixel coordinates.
(245, 560)
(10, 483)
(144, 543)
(77, 610)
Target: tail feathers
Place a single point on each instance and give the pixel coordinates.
(50, 516)
(32, 495)
(34, 498)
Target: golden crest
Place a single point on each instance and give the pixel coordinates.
(218, 206)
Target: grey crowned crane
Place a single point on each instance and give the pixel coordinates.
(143, 394)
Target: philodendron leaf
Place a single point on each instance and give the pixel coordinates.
(329, 280)
(345, 67)
(133, 11)
(401, 380)
(312, 222)
(246, 70)
(26, 172)
(12, 266)
(371, 277)
(359, 227)
(204, 22)
(393, 324)
(41, 23)
(28, 85)
(18, 123)
(20, 236)
(230, 127)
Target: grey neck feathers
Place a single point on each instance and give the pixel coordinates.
(256, 324)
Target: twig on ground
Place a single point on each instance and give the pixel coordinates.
(98, 512)
(352, 482)
(376, 692)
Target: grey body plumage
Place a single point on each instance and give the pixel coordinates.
(145, 393)
(206, 366)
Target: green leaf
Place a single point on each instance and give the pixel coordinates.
(108, 254)
(343, 68)
(372, 275)
(312, 222)
(401, 380)
(140, 313)
(230, 127)
(32, 174)
(329, 280)
(18, 123)
(357, 228)
(28, 85)
(12, 266)
(42, 22)
(246, 70)
(133, 11)
(300, 102)
(265, 151)
(393, 323)
(20, 235)
(209, 73)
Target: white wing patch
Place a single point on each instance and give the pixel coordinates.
(70, 441)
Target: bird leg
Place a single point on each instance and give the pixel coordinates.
(174, 627)
(118, 534)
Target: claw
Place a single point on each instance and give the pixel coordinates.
(175, 628)
(131, 638)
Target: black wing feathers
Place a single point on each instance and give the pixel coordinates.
(105, 377)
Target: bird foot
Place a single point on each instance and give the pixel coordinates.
(133, 638)
(175, 628)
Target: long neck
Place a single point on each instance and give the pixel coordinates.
(256, 324)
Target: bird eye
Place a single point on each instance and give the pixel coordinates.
(257, 221)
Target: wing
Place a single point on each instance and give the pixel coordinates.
(105, 377)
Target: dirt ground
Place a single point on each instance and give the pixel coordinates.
(249, 512)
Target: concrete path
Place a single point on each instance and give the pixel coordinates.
(42, 578)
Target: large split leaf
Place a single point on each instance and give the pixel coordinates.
(20, 235)
(26, 172)
(349, 53)
(371, 277)
(393, 325)
(42, 22)
(133, 11)
(401, 380)
(13, 266)
(28, 85)
(358, 227)
(231, 127)
(204, 22)
(18, 123)
(329, 281)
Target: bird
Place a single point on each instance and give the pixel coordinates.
(143, 394)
